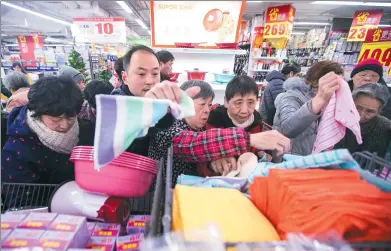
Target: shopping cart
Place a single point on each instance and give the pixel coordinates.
(24, 196)
(161, 222)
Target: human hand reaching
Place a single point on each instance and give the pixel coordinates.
(328, 85)
(224, 166)
(271, 140)
(171, 91)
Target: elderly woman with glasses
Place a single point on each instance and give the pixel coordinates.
(194, 144)
(370, 99)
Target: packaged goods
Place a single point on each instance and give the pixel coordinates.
(37, 221)
(91, 226)
(70, 223)
(129, 242)
(56, 240)
(20, 238)
(5, 233)
(106, 229)
(137, 224)
(11, 221)
(102, 243)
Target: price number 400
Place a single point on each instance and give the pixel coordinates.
(383, 56)
(106, 28)
(275, 29)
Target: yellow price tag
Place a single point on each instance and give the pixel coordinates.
(277, 30)
(358, 33)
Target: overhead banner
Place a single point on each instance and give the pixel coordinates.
(206, 22)
(377, 45)
(363, 21)
(98, 30)
(279, 21)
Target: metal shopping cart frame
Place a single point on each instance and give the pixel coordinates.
(162, 222)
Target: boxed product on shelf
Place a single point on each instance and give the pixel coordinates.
(4, 234)
(38, 220)
(102, 243)
(91, 226)
(137, 223)
(129, 242)
(70, 223)
(59, 240)
(20, 238)
(106, 229)
(11, 221)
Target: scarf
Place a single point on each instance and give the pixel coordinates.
(56, 141)
(245, 124)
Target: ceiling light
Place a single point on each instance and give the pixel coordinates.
(125, 6)
(298, 33)
(36, 13)
(55, 40)
(310, 23)
(384, 25)
(353, 3)
(10, 45)
(141, 23)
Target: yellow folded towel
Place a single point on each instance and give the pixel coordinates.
(235, 215)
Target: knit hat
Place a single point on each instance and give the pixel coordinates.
(378, 91)
(368, 64)
(72, 73)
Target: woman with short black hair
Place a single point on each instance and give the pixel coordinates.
(42, 134)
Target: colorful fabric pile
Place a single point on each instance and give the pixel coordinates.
(316, 201)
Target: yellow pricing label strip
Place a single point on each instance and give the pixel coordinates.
(277, 30)
(5, 225)
(380, 51)
(105, 233)
(92, 246)
(358, 33)
(18, 243)
(63, 227)
(51, 244)
(34, 224)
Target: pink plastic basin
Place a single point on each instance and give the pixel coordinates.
(127, 181)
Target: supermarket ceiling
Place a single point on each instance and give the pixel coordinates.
(16, 22)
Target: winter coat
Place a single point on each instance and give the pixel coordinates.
(386, 112)
(294, 117)
(25, 159)
(141, 145)
(376, 135)
(274, 87)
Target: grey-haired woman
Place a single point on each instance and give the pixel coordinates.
(370, 99)
(19, 86)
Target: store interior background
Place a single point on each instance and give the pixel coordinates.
(311, 29)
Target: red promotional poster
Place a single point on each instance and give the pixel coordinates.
(27, 45)
(283, 13)
(367, 17)
(379, 35)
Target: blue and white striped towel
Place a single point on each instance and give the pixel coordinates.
(121, 119)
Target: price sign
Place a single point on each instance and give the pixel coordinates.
(363, 21)
(99, 30)
(279, 21)
(378, 46)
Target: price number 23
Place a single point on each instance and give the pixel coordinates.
(357, 33)
(105, 28)
(275, 29)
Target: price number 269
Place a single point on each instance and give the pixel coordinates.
(105, 28)
(275, 30)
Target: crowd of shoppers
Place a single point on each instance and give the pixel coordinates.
(57, 113)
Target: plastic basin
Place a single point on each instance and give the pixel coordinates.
(128, 180)
(223, 78)
(200, 75)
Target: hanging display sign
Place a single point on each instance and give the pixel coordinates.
(98, 30)
(279, 21)
(27, 47)
(206, 22)
(378, 46)
(363, 21)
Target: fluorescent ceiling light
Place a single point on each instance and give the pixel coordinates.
(55, 40)
(310, 23)
(35, 13)
(384, 25)
(10, 45)
(298, 33)
(124, 6)
(353, 3)
(141, 23)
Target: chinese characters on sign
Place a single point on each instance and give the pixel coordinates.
(279, 21)
(362, 22)
(99, 30)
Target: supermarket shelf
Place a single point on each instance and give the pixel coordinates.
(204, 51)
(269, 58)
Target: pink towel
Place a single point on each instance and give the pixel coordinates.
(339, 114)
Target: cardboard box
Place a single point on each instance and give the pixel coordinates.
(38, 221)
(106, 229)
(102, 243)
(137, 224)
(20, 238)
(57, 240)
(129, 242)
(11, 221)
(91, 226)
(70, 223)
(5, 233)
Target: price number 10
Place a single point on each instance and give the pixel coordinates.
(106, 28)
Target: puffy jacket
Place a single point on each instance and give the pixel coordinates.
(274, 87)
(294, 117)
